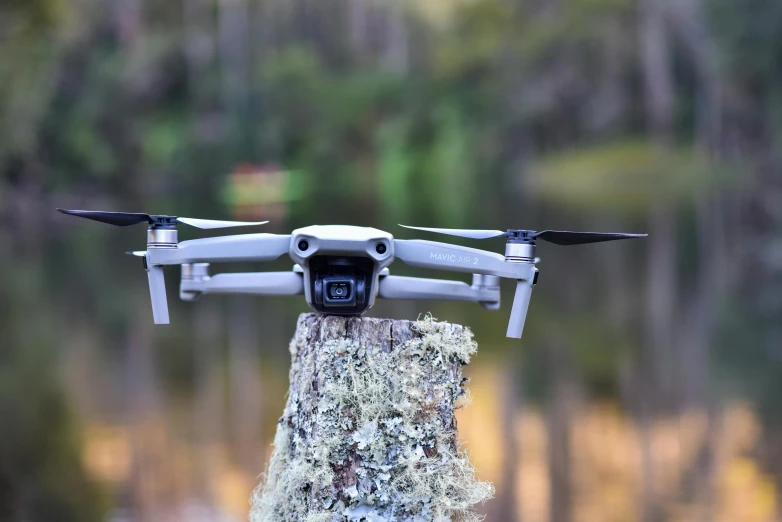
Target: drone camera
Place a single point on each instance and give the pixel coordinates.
(338, 267)
(341, 266)
(340, 291)
(339, 284)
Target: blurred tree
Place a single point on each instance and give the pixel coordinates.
(487, 113)
(42, 476)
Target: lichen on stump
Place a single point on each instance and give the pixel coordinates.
(368, 432)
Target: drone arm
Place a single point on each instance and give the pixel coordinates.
(244, 247)
(257, 283)
(431, 254)
(398, 287)
(442, 256)
(248, 247)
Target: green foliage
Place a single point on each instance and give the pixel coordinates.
(26, 19)
(750, 36)
(751, 53)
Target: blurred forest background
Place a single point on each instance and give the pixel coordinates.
(647, 385)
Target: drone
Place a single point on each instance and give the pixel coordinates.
(341, 269)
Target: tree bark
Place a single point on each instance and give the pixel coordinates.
(369, 432)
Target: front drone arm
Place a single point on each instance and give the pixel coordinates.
(245, 247)
(248, 247)
(441, 256)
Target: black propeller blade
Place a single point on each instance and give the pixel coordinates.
(562, 237)
(558, 237)
(120, 219)
(124, 219)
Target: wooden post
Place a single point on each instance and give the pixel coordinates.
(368, 432)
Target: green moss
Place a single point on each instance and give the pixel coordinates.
(368, 436)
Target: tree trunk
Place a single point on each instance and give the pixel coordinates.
(369, 431)
(246, 388)
(657, 369)
(560, 408)
(506, 505)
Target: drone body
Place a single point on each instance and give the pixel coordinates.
(341, 269)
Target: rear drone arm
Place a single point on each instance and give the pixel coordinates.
(442, 256)
(197, 282)
(484, 290)
(246, 247)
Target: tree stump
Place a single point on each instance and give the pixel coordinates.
(368, 432)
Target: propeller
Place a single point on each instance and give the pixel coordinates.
(124, 219)
(558, 237)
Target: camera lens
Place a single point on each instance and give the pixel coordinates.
(343, 293)
(303, 245)
(380, 248)
(339, 291)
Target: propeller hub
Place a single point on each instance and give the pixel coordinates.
(520, 236)
(162, 222)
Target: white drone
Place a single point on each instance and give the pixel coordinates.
(341, 269)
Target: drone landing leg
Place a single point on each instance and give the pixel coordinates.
(363, 389)
(518, 313)
(157, 293)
